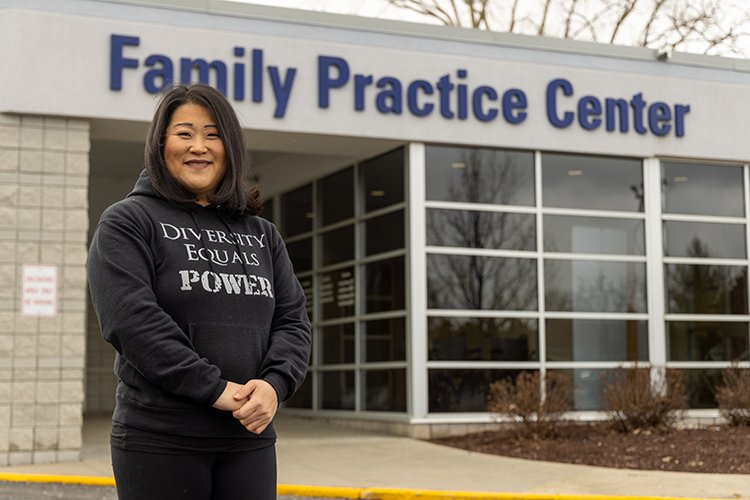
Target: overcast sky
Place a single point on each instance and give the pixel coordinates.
(382, 9)
(369, 8)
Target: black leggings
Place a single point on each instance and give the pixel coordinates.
(246, 475)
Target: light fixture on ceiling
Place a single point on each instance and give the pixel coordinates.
(458, 164)
(575, 173)
(377, 193)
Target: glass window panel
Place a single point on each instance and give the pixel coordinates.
(300, 253)
(303, 397)
(707, 341)
(337, 293)
(384, 285)
(338, 344)
(336, 197)
(483, 339)
(477, 229)
(593, 235)
(596, 340)
(704, 239)
(297, 211)
(384, 340)
(474, 282)
(592, 182)
(385, 390)
(462, 390)
(588, 386)
(594, 286)
(337, 390)
(691, 188)
(384, 233)
(701, 386)
(383, 180)
(697, 289)
(337, 245)
(307, 287)
(479, 175)
(267, 212)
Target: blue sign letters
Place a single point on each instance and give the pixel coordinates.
(452, 96)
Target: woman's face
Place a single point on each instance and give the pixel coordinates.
(194, 151)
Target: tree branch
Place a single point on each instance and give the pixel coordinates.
(627, 9)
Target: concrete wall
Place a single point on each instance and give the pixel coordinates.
(44, 166)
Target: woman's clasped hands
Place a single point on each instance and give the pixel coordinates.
(253, 404)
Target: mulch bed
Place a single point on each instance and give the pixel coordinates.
(716, 449)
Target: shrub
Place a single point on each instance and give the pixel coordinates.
(535, 416)
(635, 402)
(733, 395)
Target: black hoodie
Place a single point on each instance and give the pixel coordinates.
(192, 298)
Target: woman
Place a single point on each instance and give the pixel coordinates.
(198, 296)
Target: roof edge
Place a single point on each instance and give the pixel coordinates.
(438, 32)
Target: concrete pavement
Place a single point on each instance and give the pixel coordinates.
(318, 453)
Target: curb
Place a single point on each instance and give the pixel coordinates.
(415, 494)
(57, 478)
(354, 493)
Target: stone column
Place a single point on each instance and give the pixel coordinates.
(44, 166)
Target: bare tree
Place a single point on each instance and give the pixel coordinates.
(714, 27)
(468, 13)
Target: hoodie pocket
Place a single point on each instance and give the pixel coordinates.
(238, 350)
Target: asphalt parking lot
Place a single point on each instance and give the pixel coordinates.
(11, 490)
(34, 491)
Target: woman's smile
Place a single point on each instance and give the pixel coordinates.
(194, 151)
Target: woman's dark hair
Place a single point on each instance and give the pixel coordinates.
(233, 192)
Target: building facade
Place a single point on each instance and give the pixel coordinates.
(460, 206)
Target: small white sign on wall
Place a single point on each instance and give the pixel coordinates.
(38, 290)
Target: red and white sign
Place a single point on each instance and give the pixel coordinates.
(38, 290)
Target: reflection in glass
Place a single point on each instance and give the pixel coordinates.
(592, 182)
(474, 282)
(594, 286)
(588, 386)
(707, 341)
(593, 235)
(476, 229)
(384, 285)
(596, 340)
(462, 390)
(300, 253)
(384, 340)
(704, 239)
(307, 288)
(337, 245)
(482, 339)
(385, 390)
(694, 289)
(384, 233)
(267, 212)
(479, 175)
(297, 211)
(691, 188)
(337, 390)
(383, 180)
(701, 387)
(337, 293)
(303, 397)
(336, 197)
(338, 344)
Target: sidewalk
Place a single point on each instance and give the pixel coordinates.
(316, 453)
